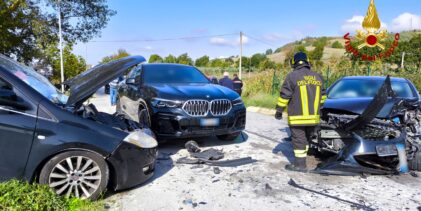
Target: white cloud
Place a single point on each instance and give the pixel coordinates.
(405, 22)
(220, 41)
(147, 48)
(355, 23)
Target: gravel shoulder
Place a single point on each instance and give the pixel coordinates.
(262, 185)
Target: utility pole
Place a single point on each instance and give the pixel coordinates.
(61, 46)
(241, 52)
(403, 60)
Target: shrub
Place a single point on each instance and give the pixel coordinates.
(337, 44)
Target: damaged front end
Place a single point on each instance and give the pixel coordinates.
(381, 140)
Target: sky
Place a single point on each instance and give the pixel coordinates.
(145, 27)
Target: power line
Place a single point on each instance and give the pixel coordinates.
(272, 45)
(165, 39)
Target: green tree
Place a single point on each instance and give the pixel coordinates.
(317, 53)
(73, 65)
(256, 59)
(337, 44)
(170, 59)
(29, 27)
(155, 58)
(120, 54)
(184, 59)
(202, 61)
(269, 52)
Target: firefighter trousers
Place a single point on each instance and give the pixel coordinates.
(301, 137)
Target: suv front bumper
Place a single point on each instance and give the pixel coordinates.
(180, 125)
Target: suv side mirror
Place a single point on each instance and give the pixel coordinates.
(9, 98)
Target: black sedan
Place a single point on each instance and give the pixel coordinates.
(179, 101)
(370, 125)
(354, 93)
(58, 140)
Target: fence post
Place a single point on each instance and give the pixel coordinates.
(327, 77)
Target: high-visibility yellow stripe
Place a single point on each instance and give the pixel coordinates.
(304, 122)
(280, 99)
(300, 153)
(309, 117)
(282, 102)
(317, 100)
(304, 100)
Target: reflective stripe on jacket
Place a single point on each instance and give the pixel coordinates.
(302, 93)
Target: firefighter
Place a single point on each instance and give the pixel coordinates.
(302, 94)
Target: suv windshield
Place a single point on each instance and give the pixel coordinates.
(172, 74)
(33, 79)
(350, 88)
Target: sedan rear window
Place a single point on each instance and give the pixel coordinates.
(351, 88)
(172, 74)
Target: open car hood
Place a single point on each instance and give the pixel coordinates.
(88, 82)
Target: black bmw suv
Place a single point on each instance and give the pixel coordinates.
(179, 101)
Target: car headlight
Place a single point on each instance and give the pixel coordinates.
(237, 102)
(142, 138)
(163, 103)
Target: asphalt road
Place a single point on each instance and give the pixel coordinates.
(263, 185)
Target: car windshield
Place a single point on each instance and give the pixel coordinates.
(33, 79)
(172, 74)
(350, 88)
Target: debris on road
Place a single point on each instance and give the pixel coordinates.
(192, 147)
(353, 204)
(211, 157)
(216, 170)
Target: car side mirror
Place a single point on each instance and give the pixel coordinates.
(10, 99)
(130, 81)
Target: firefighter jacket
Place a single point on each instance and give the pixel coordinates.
(302, 93)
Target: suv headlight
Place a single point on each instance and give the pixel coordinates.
(163, 103)
(237, 102)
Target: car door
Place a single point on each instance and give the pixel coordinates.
(131, 92)
(17, 125)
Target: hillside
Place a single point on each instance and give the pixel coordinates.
(329, 52)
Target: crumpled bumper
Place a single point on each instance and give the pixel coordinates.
(133, 161)
(349, 160)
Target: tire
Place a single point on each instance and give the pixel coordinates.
(143, 115)
(81, 174)
(415, 163)
(229, 137)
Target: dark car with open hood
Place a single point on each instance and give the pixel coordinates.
(370, 125)
(179, 101)
(58, 140)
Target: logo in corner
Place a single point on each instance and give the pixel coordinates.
(371, 37)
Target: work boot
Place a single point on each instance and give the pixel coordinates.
(299, 165)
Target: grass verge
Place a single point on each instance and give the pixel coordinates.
(260, 99)
(17, 195)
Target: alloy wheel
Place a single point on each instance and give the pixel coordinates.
(78, 176)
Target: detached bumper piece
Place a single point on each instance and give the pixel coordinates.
(132, 165)
(179, 126)
(366, 157)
